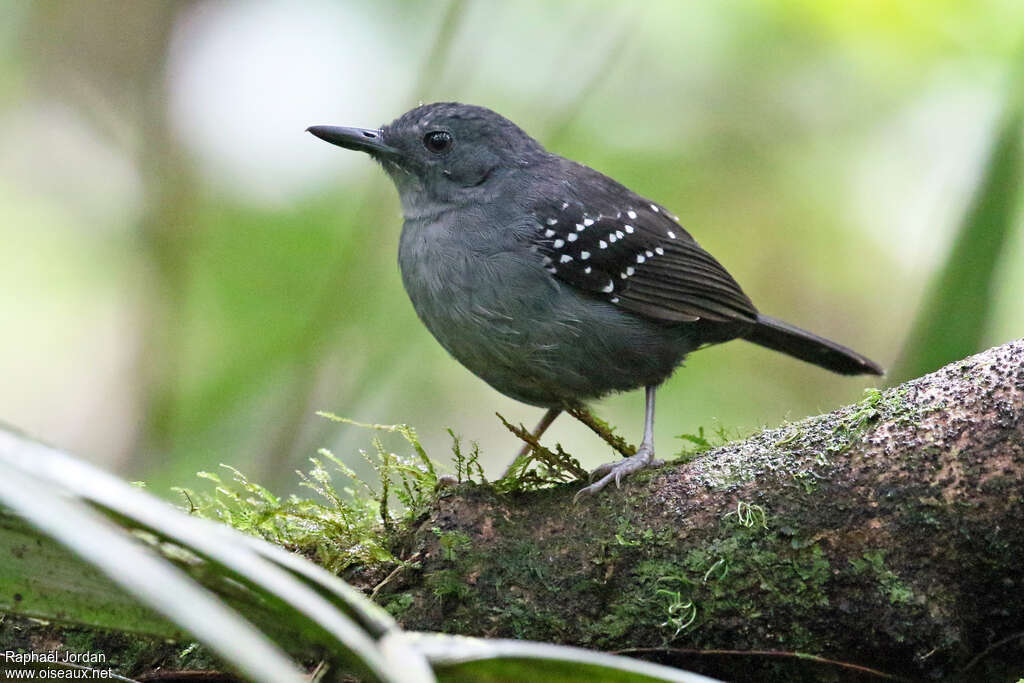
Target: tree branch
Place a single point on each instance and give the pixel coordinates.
(885, 539)
(888, 534)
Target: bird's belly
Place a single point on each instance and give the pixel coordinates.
(533, 338)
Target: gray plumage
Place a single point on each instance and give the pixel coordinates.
(550, 281)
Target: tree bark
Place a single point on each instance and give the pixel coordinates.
(888, 534)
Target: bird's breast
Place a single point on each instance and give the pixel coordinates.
(463, 287)
(489, 306)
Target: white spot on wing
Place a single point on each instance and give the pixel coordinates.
(559, 244)
(588, 222)
(614, 299)
(671, 234)
(565, 258)
(584, 255)
(632, 214)
(565, 205)
(630, 270)
(602, 244)
(654, 208)
(610, 287)
(612, 237)
(551, 221)
(659, 251)
(650, 254)
(549, 233)
(628, 228)
(587, 270)
(572, 237)
(579, 227)
(640, 258)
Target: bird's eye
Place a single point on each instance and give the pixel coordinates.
(437, 141)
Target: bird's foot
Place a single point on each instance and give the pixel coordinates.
(615, 471)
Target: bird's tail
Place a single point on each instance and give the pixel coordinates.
(791, 340)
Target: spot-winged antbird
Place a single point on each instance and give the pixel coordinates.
(549, 280)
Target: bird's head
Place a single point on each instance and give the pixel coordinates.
(443, 152)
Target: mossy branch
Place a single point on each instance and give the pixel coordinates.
(883, 539)
(602, 429)
(888, 534)
(558, 465)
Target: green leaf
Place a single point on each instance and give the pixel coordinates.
(273, 596)
(40, 578)
(150, 578)
(457, 658)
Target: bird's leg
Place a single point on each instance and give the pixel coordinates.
(623, 468)
(537, 432)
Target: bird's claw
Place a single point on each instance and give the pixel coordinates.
(616, 471)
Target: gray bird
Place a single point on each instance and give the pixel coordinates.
(549, 280)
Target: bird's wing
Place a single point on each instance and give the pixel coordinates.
(635, 255)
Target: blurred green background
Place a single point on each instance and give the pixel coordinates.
(187, 276)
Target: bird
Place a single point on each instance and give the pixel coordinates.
(549, 280)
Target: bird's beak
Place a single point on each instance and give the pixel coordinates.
(359, 139)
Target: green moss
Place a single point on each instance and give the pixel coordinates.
(447, 584)
(539, 468)
(528, 621)
(626, 534)
(847, 429)
(872, 563)
(733, 574)
(344, 524)
(806, 480)
(467, 465)
(699, 443)
(805, 451)
(452, 543)
(618, 621)
(398, 603)
(749, 515)
(724, 581)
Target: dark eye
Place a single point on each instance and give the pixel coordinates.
(437, 141)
